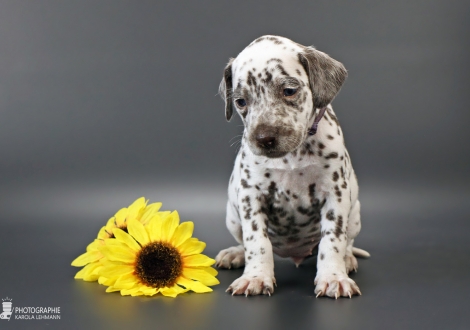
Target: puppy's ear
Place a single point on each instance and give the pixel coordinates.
(326, 75)
(225, 90)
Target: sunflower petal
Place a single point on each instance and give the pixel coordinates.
(105, 262)
(210, 270)
(191, 246)
(200, 275)
(137, 293)
(106, 281)
(127, 239)
(125, 281)
(111, 222)
(120, 217)
(164, 214)
(97, 270)
(169, 225)
(170, 292)
(82, 273)
(112, 289)
(149, 291)
(153, 208)
(87, 272)
(118, 253)
(179, 289)
(193, 285)
(102, 234)
(182, 233)
(149, 211)
(79, 274)
(197, 260)
(110, 270)
(154, 228)
(113, 242)
(132, 291)
(137, 230)
(87, 258)
(135, 208)
(93, 246)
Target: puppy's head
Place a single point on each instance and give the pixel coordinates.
(276, 85)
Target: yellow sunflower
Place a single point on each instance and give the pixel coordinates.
(138, 210)
(158, 257)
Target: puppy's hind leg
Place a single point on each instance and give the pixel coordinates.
(233, 257)
(354, 226)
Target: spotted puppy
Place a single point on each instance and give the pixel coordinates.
(293, 188)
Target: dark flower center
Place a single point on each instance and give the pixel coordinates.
(158, 265)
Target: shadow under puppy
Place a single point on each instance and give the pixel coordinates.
(293, 187)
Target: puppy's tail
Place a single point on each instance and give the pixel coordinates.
(360, 252)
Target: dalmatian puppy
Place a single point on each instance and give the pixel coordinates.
(293, 188)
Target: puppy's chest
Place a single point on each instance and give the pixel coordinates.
(292, 201)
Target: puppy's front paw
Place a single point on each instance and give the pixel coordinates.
(251, 285)
(335, 285)
(233, 257)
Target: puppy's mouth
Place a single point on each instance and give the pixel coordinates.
(269, 153)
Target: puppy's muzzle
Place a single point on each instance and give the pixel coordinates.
(266, 137)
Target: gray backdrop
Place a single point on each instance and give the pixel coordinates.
(102, 102)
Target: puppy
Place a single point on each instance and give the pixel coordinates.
(293, 188)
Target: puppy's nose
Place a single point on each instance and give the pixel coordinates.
(266, 139)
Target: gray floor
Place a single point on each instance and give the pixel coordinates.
(417, 277)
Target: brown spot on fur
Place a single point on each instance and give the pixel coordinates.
(339, 226)
(332, 155)
(330, 215)
(335, 176)
(247, 171)
(245, 184)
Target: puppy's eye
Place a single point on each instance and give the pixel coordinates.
(241, 103)
(290, 91)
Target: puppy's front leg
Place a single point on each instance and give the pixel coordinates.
(332, 278)
(258, 277)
